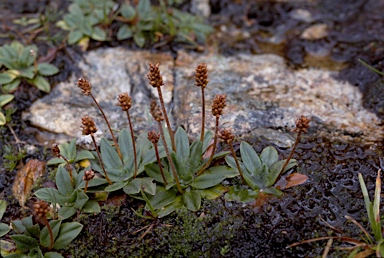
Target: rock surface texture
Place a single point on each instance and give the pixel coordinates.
(264, 96)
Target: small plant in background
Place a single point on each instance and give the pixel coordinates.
(30, 240)
(261, 173)
(370, 245)
(19, 63)
(160, 24)
(4, 228)
(4, 100)
(88, 19)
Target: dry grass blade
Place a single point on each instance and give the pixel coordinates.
(328, 225)
(327, 248)
(359, 225)
(343, 239)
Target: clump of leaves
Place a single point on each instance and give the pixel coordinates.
(12, 157)
(19, 62)
(4, 228)
(160, 24)
(259, 173)
(88, 19)
(30, 240)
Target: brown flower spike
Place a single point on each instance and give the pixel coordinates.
(156, 111)
(40, 210)
(88, 175)
(218, 104)
(88, 126)
(201, 78)
(85, 86)
(125, 101)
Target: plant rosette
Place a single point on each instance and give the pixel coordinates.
(188, 160)
(259, 173)
(32, 241)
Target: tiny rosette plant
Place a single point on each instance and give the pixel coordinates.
(70, 196)
(260, 173)
(120, 171)
(188, 159)
(68, 151)
(20, 62)
(30, 240)
(4, 100)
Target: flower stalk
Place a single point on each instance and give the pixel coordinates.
(154, 138)
(40, 210)
(56, 153)
(125, 102)
(86, 89)
(156, 80)
(201, 78)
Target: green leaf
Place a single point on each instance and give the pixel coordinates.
(116, 186)
(144, 8)
(182, 144)
(68, 150)
(192, 200)
(63, 181)
(66, 212)
(3, 207)
(208, 135)
(5, 78)
(269, 156)
(91, 207)
(81, 199)
(47, 194)
(5, 99)
(35, 253)
(24, 243)
(45, 239)
(139, 39)
(148, 185)
(68, 232)
(109, 155)
(195, 162)
(250, 159)
(232, 163)
(124, 32)
(41, 83)
(273, 190)
(162, 198)
(127, 11)
(99, 34)
(126, 146)
(207, 180)
(86, 26)
(4, 229)
(177, 204)
(153, 171)
(213, 192)
(18, 226)
(3, 120)
(47, 69)
(278, 165)
(84, 154)
(74, 36)
(241, 194)
(52, 255)
(11, 87)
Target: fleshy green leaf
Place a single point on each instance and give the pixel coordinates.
(5, 99)
(126, 146)
(81, 199)
(47, 69)
(6, 78)
(185, 176)
(182, 144)
(116, 186)
(84, 154)
(68, 232)
(91, 207)
(3, 120)
(44, 234)
(3, 207)
(127, 11)
(52, 255)
(99, 34)
(269, 156)
(250, 159)
(273, 190)
(35, 253)
(74, 36)
(124, 32)
(241, 194)
(41, 83)
(4, 229)
(177, 204)
(63, 181)
(11, 87)
(144, 8)
(195, 162)
(24, 243)
(192, 200)
(213, 192)
(162, 198)
(109, 155)
(139, 39)
(207, 180)
(153, 171)
(66, 212)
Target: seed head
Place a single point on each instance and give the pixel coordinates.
(156, 111)
(218, 105)
(201, 76)
(302, 124)
(88, 126)
(88, 175)
(154, 76)
(226, 135)
(125, 101)
(55, 150)
(40, 209)
(85, 86)
(153, 137)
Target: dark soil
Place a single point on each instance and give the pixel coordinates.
(227, 229)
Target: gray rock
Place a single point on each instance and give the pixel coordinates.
(201, 8)
(264, 97)
(110, 71)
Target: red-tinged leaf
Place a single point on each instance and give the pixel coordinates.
(25, 179)
(260, 201)
(295, 179)
(209, 150)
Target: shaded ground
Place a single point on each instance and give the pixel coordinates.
(228, 229)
